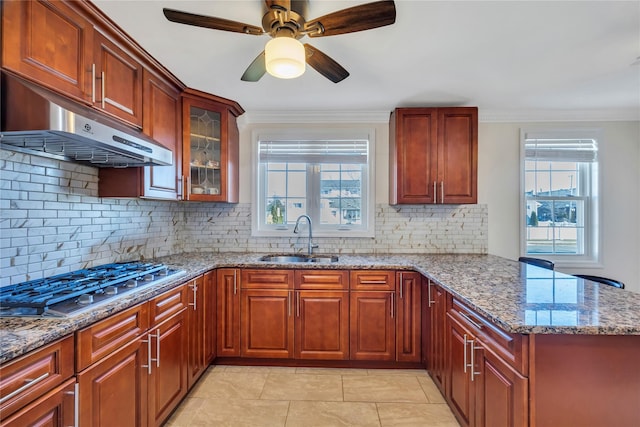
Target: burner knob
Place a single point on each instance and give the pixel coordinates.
(163, 272)
(85, 299)
(132, 283)
(148, 278)
(110, 290)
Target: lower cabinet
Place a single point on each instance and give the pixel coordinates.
(228, 312)
(434, 314)
(202, 322)
(167, 339)
(113, 391)
(55, 409)
(321, 315)
(408, 316)
(322, 325)
(372, 327)
(132, 366)
(484, 387)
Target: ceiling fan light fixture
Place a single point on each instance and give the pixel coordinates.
(285, 57)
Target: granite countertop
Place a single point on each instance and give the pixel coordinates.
(519, 298)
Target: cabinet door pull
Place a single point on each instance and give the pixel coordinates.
(401, 284)
(435, 201)
(373, 282)
(194, 288)
(442, 192)
(180, 189)
(149, 359)
(430, 302)
(27, 383)
(473, 322)
(157, 348)
(93, 83)
(103, 89)
(235, 283)
(393, 303)
(76, 403)
(188, 191)
(464, 353)
(472, 365)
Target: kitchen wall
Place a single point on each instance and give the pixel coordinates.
(52, 221)
(619, 164)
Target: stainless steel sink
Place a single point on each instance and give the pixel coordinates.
(299, 258)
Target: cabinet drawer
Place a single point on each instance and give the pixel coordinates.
(513, 348)
(266, 279)
(373, 280)
(166, 305)
(322, 279)
(106, 336)
(25, 379)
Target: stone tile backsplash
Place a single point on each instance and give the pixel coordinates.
(52, 221)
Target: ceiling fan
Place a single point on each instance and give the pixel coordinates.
(284, 56)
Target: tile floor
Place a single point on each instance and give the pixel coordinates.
(241, 396)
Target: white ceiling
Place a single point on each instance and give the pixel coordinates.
(547, 60)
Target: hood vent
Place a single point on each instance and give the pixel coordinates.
(37, 121)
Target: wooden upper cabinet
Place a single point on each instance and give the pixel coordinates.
(211, 147)
(433, 155)
(117, 81)
(162, 122)
(50, 42)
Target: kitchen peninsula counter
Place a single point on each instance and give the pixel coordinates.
(519, 298)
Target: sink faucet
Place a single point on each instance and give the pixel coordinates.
(295, 230)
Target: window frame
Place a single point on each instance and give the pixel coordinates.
(591, 258)
(258, 226)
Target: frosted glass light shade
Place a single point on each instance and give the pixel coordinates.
(284, 57)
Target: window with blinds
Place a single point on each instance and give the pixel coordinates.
(559, 191)
(327, 176)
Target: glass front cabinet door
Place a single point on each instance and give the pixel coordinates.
(210, 148)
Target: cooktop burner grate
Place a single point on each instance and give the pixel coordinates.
(39, 295)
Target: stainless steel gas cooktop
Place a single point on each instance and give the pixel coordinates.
(80, 290)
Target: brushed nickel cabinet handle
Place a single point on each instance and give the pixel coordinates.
(442, 192)
(473, 322)
(93, 83)
(103, 90)
(435, 201)
(464, 360)
(27, 383)
(149, 360)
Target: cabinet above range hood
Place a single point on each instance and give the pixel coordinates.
(37, 121)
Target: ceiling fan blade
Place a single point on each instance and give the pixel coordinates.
(324, 64)
(255, 70)
(211, 22)
(280, 4)
(353, 19)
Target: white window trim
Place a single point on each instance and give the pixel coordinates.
(593, 249)
(328, 133)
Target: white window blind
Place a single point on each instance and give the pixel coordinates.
(539, 146)
(347, 151)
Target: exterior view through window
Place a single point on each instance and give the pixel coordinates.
(327, 179)
(560, 192)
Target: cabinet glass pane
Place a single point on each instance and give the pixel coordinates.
(205, 152)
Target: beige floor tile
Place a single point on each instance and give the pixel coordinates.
(240, 413)
(412, 415)
(183, 415)
(383, 388)
(431, 390)
(332, 414)
(302, 387)
(225, 384)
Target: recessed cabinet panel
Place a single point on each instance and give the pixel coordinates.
(49, 42)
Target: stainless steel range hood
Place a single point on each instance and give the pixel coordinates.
(37, 121)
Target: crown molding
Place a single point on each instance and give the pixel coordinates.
(484, 116)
